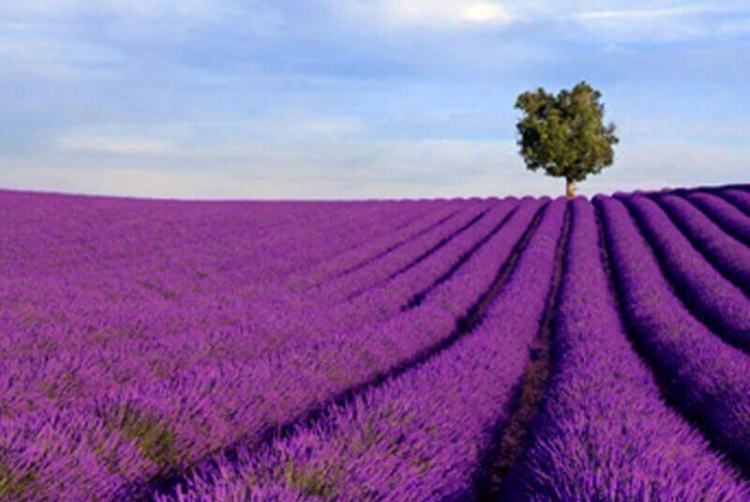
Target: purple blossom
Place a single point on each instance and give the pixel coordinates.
(284, 350)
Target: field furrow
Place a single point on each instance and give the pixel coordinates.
(740, 198)
(516, 348)
(421, 432)
(510, 435)
(604, 432)
(711, 298)
(341, 289)
(727, 216)
(449, 312)
(368, 250)
(383, 301)
(728, 255)
(702, 376)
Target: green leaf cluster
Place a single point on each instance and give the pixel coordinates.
(565, 134)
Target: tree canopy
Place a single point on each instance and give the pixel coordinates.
(565, 134)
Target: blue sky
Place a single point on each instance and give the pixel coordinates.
(359, 99)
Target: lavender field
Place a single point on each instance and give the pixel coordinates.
(508, 349)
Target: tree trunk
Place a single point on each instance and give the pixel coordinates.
(570, 188)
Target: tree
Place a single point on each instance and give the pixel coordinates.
(565, 134)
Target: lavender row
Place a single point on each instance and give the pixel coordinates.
(293, 297)
(344, 287)
(89, 221)
(740, 198)
(398, 290)
(731, 257)
(372, 249)
(370, 351)
(50, 321)
(214, 397)
(384, 300)
(711, 298)
(704, 377)
(312, 240)
(421, 433)
(186, 291)
(603, 431)
(365, 244)
(731, 219)
(139, 247)
(188, 346)
(341, 237)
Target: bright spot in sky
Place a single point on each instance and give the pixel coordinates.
(484, 12)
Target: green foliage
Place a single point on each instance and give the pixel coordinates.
(14, 485)
(154, 438)
(320, 482)
(565, 134)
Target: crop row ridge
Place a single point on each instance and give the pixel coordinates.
(671, 279)
(426, 254)
(680, 225)
(393, 247)
(510, 437)
(168, 482)
(661, 378)
(419, 297)
(445, 240)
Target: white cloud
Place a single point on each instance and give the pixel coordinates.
(332, 169)
(228, 152)
(115, 146)
(300, 127)
(484, 12)
(675, 23)
(428, 13)
(346, 168)
(611, 21)
(684, 10)
(167, 136)
(131, 181)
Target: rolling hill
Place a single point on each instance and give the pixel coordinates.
(515, 348)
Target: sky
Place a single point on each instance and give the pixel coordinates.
(355, 99)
